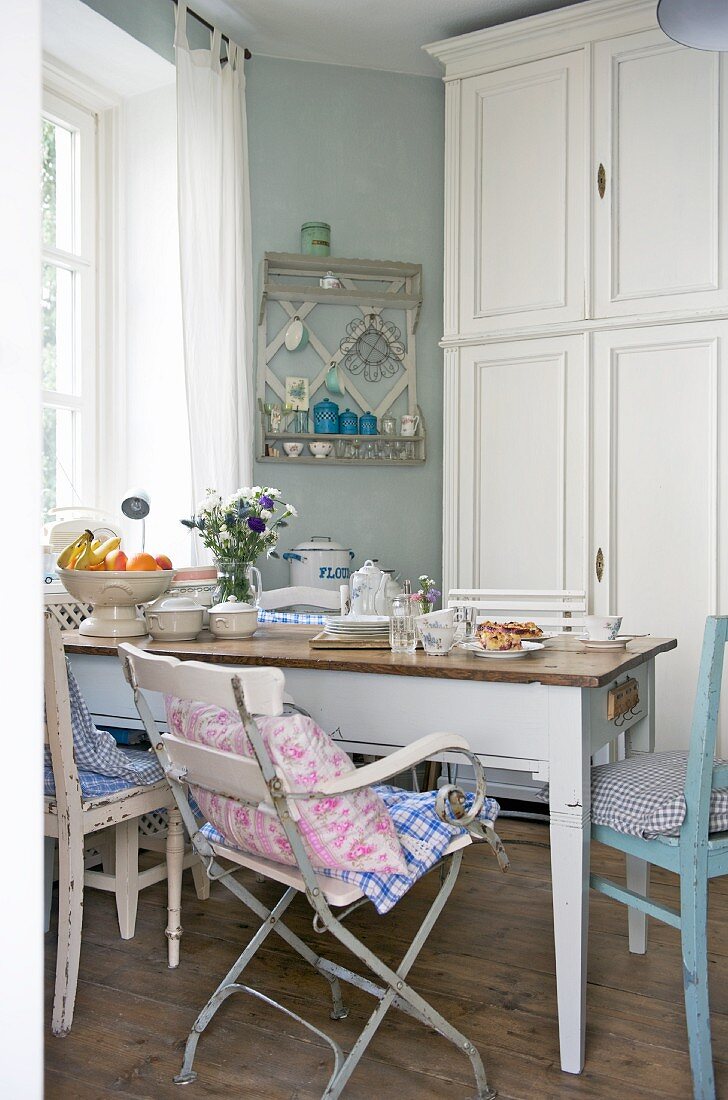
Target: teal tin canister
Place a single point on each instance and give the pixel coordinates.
(315, 239)
(368, 424)
(348, 423)
(326, 418)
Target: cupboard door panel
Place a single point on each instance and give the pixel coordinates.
(522, 465)
(522, 210)
(657, 427)
(659, 238)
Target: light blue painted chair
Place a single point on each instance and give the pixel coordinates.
(696, 855)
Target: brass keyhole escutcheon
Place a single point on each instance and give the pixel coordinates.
(599, 564)
(601, 180)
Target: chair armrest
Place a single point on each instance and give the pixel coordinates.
(399, 761)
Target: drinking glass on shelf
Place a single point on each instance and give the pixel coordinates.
(402, 631)
(341, 449)
(299, 422)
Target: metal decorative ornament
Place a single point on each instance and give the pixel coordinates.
(372, 347)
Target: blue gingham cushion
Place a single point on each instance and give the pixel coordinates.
(306, 618)
(140, 768)
(103, 767)
(423, 835)
(644, 796)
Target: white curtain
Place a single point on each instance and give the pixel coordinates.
(215, 261)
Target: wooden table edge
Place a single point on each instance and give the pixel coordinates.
(440, 668)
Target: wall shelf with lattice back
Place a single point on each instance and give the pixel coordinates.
(366, 329)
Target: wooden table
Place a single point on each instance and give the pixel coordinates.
(544, 714)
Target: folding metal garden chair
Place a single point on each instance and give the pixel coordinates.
(260, 784)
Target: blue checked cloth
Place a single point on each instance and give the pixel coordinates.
(304, 618)
(423, 836)
(103, 767)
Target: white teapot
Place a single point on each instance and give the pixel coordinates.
(368, 590)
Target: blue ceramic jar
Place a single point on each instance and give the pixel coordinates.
(348, 423)
(368, 424)
(326, 418)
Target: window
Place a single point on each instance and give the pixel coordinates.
(68, 303)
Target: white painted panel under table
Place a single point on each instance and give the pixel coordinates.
(522, 198)
(659, 435)
(660, 229)
(521, 429)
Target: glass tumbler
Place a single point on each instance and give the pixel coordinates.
(402, 631)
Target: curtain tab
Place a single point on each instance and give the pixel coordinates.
(180, 28)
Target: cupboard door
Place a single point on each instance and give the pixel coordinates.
(660, 228)
(518, 480)
(660, 425)
(522, 195)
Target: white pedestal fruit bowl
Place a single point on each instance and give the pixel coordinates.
(114, 597)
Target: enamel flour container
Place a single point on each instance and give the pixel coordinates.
(320, 563)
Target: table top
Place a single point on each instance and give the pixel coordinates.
(564, 662)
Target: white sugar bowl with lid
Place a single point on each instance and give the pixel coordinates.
(174, 617)
(232, 619)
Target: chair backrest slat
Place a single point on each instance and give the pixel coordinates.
(557, 609)
(222, 773)
(206, 683)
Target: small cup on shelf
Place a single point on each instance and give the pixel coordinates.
(292, 448)
(320, 449)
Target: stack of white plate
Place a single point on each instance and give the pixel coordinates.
(358, 626)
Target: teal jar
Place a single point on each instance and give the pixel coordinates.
(326, 418)
(368, 424)
(315, 239)
(348, 423)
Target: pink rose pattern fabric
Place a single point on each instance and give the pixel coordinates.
(351, 832)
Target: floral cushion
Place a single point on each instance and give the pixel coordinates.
(351, 832)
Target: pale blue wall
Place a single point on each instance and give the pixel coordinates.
(362, 150)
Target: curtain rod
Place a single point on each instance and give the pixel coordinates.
(246, 52)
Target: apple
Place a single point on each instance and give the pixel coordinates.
(116, 561)
(163, 561)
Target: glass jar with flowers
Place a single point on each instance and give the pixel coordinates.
(237, 531)
(427, 595)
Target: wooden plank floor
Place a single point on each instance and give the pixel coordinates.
(488, 966)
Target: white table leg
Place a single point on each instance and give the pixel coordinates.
(570, 805)
(641, 735)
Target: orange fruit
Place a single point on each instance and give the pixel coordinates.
(141, 563)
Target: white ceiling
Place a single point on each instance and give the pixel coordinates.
(371, 34)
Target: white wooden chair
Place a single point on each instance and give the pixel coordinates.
(256, 782)
(278, 599)
(70, 819)
(560, 610)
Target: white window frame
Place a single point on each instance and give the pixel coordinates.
(81, 260)
(72, 100)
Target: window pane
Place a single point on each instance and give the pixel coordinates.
(59, 458)
(58, 308)
(57, 185)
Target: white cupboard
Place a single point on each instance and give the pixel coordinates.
(522, 420)
(585, 322)
(658, 474)
(660, 231)
(522, 199)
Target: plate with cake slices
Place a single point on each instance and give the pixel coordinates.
(521, 649)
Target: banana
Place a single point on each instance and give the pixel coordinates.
(74, 549)
(98, 554)
(95, 544)
(85, 558)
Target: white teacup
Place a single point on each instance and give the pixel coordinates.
(602, 628)
(293, 449)
(437, 637)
